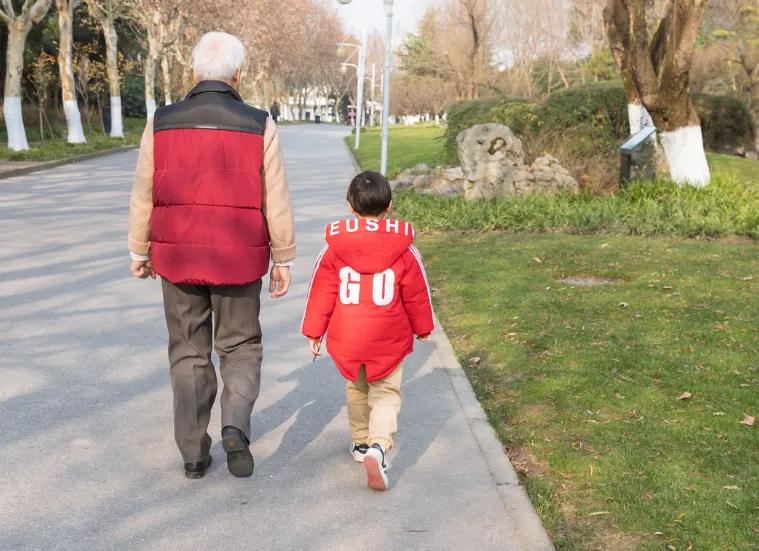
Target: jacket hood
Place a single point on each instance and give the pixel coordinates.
(369, 246)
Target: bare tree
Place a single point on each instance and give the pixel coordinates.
(66, 9)
(466, 43)
(148, 16)
(105, 13)
(531, 32)
(655, 74)
(19, 24)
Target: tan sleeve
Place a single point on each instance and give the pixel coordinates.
(141, 205)
(277, 205)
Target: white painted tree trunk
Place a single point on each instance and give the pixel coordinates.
(638, 117)
(66, 70)
(684, 151)
(114, 79)
(14, 123)
(150, 107)
(117, 120)
(14, 120)
(150, 104)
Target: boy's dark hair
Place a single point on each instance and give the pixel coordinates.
(369, 194)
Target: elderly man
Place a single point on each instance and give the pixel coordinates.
(210, 208)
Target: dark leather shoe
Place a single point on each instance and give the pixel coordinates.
(239, 459)
(197, 469)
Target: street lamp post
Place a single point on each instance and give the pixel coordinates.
(386, 84)
(360, 77)
(386, 79)
(373, 85)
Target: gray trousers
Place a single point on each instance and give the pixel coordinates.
(236, 333)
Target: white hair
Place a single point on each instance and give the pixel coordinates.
(218, 56)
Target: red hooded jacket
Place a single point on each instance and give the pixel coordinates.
(369, 293)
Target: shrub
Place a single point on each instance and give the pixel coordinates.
(133, 96)
(602, 105)
(725, 122)
(580, 126)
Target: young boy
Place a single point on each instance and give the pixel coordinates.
(369, 293)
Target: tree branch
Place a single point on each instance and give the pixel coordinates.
(39, 9)
(7, 12)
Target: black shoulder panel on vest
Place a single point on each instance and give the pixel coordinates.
(213, 110)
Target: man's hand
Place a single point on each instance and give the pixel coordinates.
(142, 269)
(279, 281)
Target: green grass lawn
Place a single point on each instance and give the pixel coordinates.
(408, 146)
(57, 148)
(582, 383)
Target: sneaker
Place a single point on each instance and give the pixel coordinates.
(358, 451)
(376, 468)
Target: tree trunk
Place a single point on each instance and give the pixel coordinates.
(150, 104)
(655, 78)
(14, 121)
(114, 79)
(66, 70)
(679, 131)
(166, 74)
(151, 59)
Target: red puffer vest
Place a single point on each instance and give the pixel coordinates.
(208, 227)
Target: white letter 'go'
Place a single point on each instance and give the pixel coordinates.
(383, 286)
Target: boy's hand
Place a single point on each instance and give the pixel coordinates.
(142, 269)
(423, 337)
(315, 345)
(279, 281)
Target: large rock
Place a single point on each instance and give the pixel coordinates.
(490, 155)
(492, 159)
(492, 165)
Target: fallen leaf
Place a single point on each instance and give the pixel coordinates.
(536, 259)
(596, 513)
(685, 396)
(474, 361)
(748, 420)
(731, 487)
(623, 305)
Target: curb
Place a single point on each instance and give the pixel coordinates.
(69, 160)
(531, 535)
(352, 156)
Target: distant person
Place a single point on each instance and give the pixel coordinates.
(274, 112)
(369, 294)
(210, 211)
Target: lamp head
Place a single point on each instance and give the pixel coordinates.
(344, 2)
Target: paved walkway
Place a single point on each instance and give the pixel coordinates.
(86, 449)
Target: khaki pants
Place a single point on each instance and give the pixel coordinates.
(373, 408)
(236, 333)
